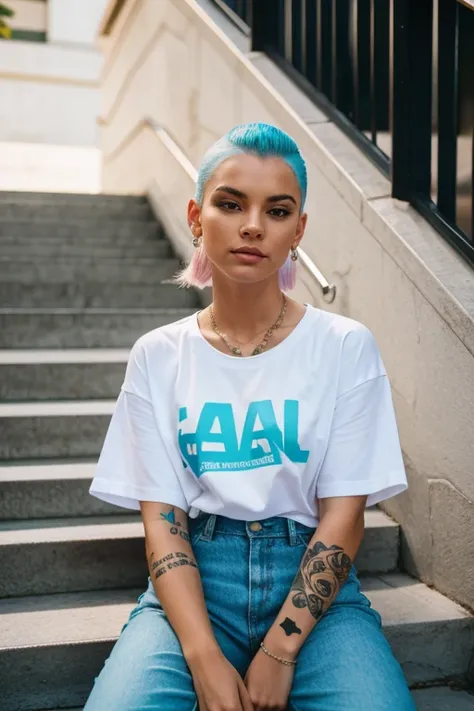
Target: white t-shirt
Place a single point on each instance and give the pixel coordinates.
(253, 437)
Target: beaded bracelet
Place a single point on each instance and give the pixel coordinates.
(279, 659)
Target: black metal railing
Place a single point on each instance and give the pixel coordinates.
(396, 76)
(239, 11)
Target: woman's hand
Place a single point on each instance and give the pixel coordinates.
(218, 685)
(268, 683)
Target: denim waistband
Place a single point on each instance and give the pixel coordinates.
(274, 527)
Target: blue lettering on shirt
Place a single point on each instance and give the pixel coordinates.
(215, 445)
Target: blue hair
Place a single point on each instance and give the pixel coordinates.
(261, 139)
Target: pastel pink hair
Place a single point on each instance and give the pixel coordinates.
(198, 273)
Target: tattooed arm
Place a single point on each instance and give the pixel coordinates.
(323, 570)
(176, 578)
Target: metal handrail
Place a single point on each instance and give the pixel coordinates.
(172, 147)
(233, 17)
(329, 290)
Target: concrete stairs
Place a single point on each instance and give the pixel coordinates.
(81, 278)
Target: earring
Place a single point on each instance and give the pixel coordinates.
(197, 242)
(294, 255)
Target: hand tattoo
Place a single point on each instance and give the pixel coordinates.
(322, 572)
(170, 517)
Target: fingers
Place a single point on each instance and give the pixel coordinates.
(244, 697)
(201, 703)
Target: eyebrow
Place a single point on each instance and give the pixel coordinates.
(243, 196)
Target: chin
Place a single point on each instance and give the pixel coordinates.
(247, 275)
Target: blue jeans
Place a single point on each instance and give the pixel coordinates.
(345, 664)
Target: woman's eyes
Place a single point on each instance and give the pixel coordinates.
(281, 210)
(227, 204)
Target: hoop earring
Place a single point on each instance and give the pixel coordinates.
(294, 255)
(197, 242)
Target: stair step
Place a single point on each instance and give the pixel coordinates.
(84, 261)
(41, 490)
(431, 636)
(51, 490)
(53, 429)
(440, 698)
(111, 271)
(105, 552)
(86, 374)
(82, 200)
(434, 699)
(50, 210)
(64, 639)
(55, 251)
(55, 489)
(61, 644)
(81, 328)
(86, 294)
(81, 231)
(72, 555)
(379, 550)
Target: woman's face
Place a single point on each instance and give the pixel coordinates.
(250, 216)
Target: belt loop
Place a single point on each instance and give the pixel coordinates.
(292, 535)
(208, 533)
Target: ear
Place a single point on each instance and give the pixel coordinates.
(194, 218)
(300, 230)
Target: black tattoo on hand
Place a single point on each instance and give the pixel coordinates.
(170, 517)
(321, 573)
(290, 627)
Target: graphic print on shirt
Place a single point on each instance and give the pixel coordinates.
(216, 446)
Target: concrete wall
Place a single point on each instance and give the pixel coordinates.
(50, 90)
(29, 15)
(49, 94)
(169, 61)
(74, 21)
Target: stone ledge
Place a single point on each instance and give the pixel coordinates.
(50, 63)
(438, 271)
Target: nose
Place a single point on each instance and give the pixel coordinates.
(252, 229)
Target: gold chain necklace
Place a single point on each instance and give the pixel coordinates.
(258, 349)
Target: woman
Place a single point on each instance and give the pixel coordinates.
(252, 436)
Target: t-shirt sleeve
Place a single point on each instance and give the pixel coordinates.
(134, 464)
(363, 455)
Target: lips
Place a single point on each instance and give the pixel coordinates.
(248, 250)
(248, 255)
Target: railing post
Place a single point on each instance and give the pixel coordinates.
(266, 29)
(411, 97)
(447, 83)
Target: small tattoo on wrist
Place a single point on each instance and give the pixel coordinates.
(290, 627)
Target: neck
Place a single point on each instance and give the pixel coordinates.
(245, 308)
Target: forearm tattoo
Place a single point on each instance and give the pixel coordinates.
(175, 526)
(321, 573)
(170, 561)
